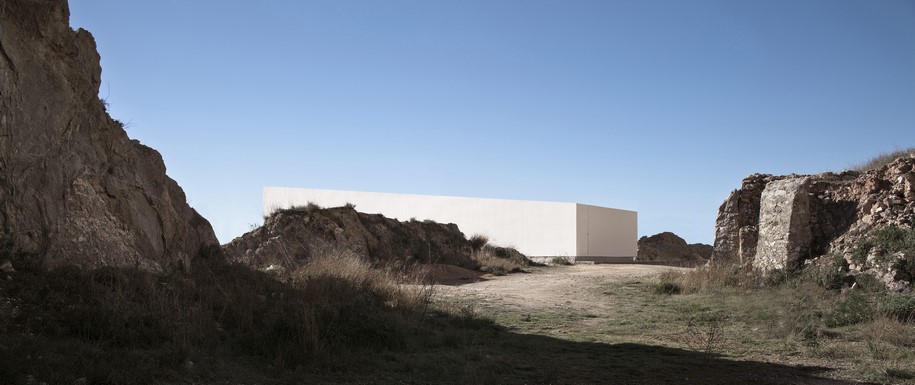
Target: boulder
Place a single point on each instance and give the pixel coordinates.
(74, 188)
(668, 246)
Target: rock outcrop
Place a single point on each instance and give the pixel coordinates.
(782, 221)
(291, 237)
(668, 246)
(74, 189)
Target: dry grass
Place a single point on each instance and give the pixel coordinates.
(814, 313)
(478, 241)
(344, 274)
(883, 159)
(127, 326)
(891, 331)
(490, 261)
(499, 260)
(704, 278)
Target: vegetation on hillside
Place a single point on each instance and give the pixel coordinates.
(883, 159)
(821, 308)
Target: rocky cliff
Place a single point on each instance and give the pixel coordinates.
(74, 189)
(668, 246)
(777, 222)
(291, 237)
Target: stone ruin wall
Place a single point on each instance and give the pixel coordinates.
(781, 221)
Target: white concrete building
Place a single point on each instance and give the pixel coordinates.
(537, 229)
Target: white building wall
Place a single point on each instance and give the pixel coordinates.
(535, 228)
(606, 232)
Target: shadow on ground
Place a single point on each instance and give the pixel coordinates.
(223, 324)
(510, 358)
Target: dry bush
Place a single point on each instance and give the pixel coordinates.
(890, 330)
(708, 277)
(883, 159)
(489, 261)
(478, 241)
(344, 275)
(669, 282)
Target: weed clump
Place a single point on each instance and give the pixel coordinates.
(667, 288)
(478, 241)
(310, 207)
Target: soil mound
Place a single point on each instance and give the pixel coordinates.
(291, 237)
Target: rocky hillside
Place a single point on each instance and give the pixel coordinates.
(776, 222)
(291, 237)
(74, 189)
(668, 246)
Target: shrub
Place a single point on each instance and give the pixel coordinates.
(888, 240)
(899, 306)
(478, 241)
(498, 261)
(308, 208)
(669, 282)
(667, 288)
(869, 283)
(852, 308)
(775, 277)
(828, 272)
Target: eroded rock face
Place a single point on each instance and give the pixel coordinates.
(290, 238)
(784, 224)
(738, 217)
(74, 189)
(668, 246)
(798, 217)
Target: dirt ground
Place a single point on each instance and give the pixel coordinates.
(554, 288)
(610, 307)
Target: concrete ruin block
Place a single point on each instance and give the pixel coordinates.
(726, 246)
(784, 224)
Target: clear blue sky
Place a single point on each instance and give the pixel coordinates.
(656, 106)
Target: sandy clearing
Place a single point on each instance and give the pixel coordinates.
(559, 287)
